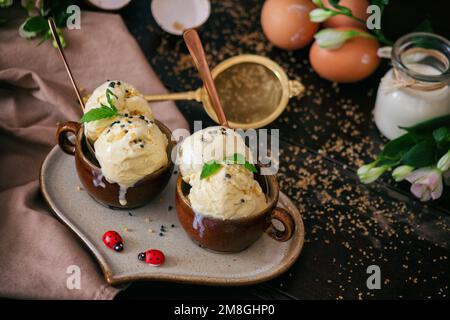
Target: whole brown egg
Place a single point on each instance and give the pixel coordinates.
(355, 60)
(286, 23)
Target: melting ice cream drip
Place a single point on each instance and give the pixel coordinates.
(197, 224)
(122, 195)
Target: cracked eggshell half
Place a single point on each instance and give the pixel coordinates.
(175, 16)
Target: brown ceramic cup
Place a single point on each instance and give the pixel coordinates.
(92, 178)
(234, 235)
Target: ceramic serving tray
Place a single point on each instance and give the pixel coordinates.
(140, 230)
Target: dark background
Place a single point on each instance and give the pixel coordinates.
(325, 136)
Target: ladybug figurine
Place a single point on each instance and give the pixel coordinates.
(153, 257)
(113, 240)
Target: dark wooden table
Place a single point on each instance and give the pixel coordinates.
(325, 136)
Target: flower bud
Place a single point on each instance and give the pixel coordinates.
(444, 162)
(318, 3)
(400, 173)
(320, 15)
(369, 173)
(333, 39)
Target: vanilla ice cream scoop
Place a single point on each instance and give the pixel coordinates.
(127, 100)
(129, 149)
(212, 143)
(231, 193)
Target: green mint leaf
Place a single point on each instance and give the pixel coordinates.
(250, 167)
(210, 168)
(109, 95)
(103, 112)
(236, 158)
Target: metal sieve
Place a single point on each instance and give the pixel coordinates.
(254, 91)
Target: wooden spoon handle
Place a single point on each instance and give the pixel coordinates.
(52, 25)
(197, 52)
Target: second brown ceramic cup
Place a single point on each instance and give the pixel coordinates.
(92, 178)
(234, 235)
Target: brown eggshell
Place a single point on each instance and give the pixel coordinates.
(355, 60)
(286, 23)
(359, 10)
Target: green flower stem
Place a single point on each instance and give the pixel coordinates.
(378, 34)
(350, 15)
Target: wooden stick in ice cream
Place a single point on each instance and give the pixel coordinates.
(197, 52)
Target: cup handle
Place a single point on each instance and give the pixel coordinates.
(62, 136)
(286, 219)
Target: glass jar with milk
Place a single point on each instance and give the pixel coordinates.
(417, 87)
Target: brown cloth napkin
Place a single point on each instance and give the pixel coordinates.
(35, 94)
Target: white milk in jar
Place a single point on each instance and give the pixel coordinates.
(417, 87)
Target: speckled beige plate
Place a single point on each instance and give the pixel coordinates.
(185, 262)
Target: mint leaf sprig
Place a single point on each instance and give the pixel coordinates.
(36, 24)
(104, 112)
(213, 166)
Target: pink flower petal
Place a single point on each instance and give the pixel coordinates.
(418, 190)
(437, 192)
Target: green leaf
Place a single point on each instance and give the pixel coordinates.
(36, 24)
(424, 26)
(250, 167)
(109, 95)
(58, 10)
(210, 168)
(429, 125)
(103, 112)
(421, 155)
(441, 135)
(236, 158)
(395, 149)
